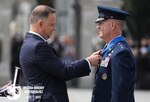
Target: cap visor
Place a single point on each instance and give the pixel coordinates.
(99, 20)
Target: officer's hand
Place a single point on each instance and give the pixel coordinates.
(95, 58)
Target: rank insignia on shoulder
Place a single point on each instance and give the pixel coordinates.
(105, 62)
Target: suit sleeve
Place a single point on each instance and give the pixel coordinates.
(122, 75)
(46, 59)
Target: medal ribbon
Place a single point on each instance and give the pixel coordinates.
(111, 43)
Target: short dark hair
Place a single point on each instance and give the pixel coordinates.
(40, 12)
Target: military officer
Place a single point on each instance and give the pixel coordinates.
(114, 80)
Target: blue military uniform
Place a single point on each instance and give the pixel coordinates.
(114, 80)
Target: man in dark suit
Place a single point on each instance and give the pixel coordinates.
(44, 71)
(114, 80)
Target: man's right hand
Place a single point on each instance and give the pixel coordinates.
(95, 58)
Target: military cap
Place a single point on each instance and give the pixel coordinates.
(110, 13)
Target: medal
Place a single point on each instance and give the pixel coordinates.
(105, 62)
(104, 76)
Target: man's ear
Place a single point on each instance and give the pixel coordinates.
(112, 25)
(40, 24)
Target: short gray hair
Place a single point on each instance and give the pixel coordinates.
(121, 23)
(40, 12)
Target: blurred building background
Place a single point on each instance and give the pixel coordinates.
(76, 36)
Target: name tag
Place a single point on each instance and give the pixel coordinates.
(105, 62)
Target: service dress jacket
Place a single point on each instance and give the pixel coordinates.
(115, 77)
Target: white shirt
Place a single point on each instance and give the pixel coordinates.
(88, 63)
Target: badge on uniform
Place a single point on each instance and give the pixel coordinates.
(104, 76)
(105, 62)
